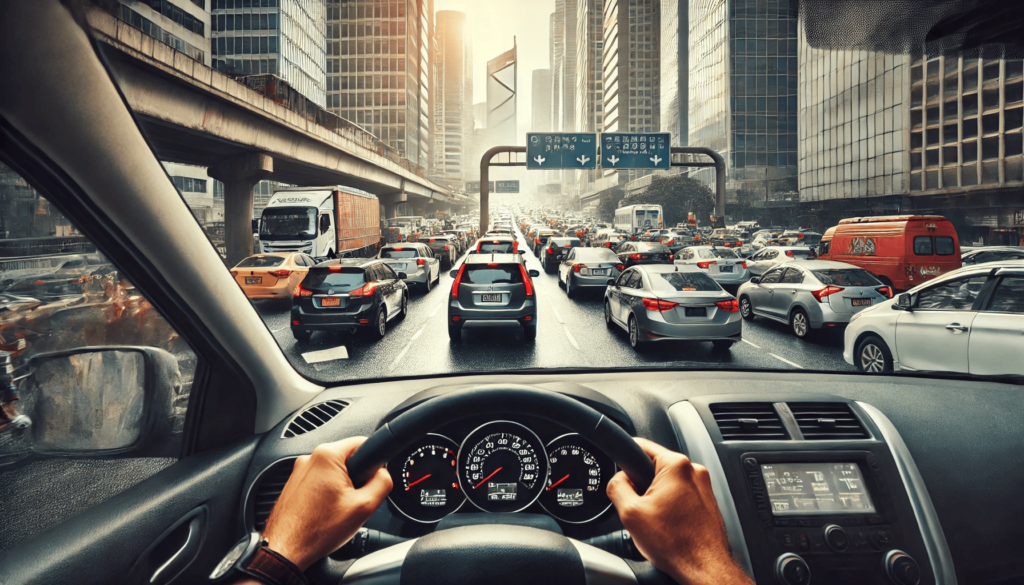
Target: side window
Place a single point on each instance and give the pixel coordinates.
(572, 255)
(792, 276)
(622, 279)
(300, 260)
(309, 260)
(953, 295)
(75, 333)
(387, 272)
(325, 223)
(1009, 296)
(772, 276)
(635, 281)
(923, 246)
(944, 245)
(771, 254)
(823, 247)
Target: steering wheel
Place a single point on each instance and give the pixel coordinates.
(494, 553)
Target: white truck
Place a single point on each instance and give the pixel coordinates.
(324, 222)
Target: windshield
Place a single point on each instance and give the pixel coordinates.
(260, 262)
(294, 223)
(399, 253)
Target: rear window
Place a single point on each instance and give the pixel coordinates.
(596, 255)
(566, 242)
(811, 239)
(486, 274)
(923, 246)
(683, 281)
(344, 281)
(652, 248)
(723, 253)
(944, 245)
(399, 253)
(846, 277)
(258, 262)
(500, 247)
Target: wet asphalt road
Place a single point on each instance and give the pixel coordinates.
(571, 334)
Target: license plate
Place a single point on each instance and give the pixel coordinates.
(599, 272)
(253, 280)
(860, 302)
(490, 298)
(725, 268)
(330, 302)
(696, 311)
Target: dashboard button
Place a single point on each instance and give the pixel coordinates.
(791, 569)
(750, 463)
(836, 538)
(901, 568)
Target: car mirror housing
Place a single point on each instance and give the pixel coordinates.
(534, 273)
(755, 280)
(904, 302)
(402, 276)
(453, 273)
(610, 281)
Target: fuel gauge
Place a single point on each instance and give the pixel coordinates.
(577, 484)
(426, 484)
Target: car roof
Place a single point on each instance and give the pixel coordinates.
(486, 258)
(400, 245)
(663, 268)
(349, 262)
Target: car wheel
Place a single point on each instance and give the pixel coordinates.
(608, 315)
(800, 324)
(454, 333)
(548, 269)
(302, 335)
(635, 341)
(405, 306)
(722, 345)
(530, 333)
(570, 290)
(429, 284)
(873, 356)
(377, 331)
(746, 309)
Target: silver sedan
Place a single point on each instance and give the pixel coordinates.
(659, 302)
(588, 268)
(811, 294)
(722, 264)
(415, 260)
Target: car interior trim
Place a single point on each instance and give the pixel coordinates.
(603, 568)
(252, 485)
(695, 442)
(383, 567)
(927, 519)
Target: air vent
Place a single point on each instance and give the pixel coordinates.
(267, 489)
(313, 417)
(827, 421)
(748, 421)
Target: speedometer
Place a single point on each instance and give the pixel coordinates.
(426, 487)
(575, 490)
(502, 467)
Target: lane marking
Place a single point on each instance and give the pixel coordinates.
(436, 309)
(279, 329)
(751, 343)
(405, 349)
(326, 355)
(417, 335)
(572, 339)
(782, 359)
(557, 316)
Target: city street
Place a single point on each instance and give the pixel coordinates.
(571, 334)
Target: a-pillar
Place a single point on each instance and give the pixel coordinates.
(239, 175)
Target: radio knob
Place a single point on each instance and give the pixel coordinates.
(901, 568)
(791, 569)
(836, 538)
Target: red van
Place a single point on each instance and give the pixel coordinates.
(901, 250)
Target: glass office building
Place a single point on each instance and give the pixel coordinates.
(453, 97)
(675, 70)
(183, 25)
(285, 38)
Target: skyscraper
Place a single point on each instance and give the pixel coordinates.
(287, 40)
(675, 69)
(540, 106)
(563, 71)
(556, 50)
(379, 70)
(183, 25)
(502, 98)
(589, 94)
(451, 101)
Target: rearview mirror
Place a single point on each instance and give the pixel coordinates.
(534, 273)
(904, 302)
(453, 273)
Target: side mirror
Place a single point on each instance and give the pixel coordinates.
(755, 280)
(610, 281)
(534, 273)
(904, 302)
(402, 276)
(453, 273)
(99, 401)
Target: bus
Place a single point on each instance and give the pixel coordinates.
(632, 218)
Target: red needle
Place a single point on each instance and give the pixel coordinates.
(559, 481)
(418, 480)
(488, 477)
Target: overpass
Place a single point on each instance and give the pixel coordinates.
(193, 114)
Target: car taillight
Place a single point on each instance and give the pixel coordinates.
(432, 240)
(885, 290)
(659, 305)
(620, 267)
(526, 280)
(800, 236)
(334, 268)
(730, 306)
(300, 291)
(727, 245)
(458, 281)
(670, 242)
(789, 253)
(635, 256)
(739, 244)
(706, 265)
(608, 245)
(515, 247)
(537, 241)
(234, 273)
(819, 295)
(744, 265)
(284, 273)
(446, 248)
(366, 291)
(397, 249)
(577, 267)
(420, 261)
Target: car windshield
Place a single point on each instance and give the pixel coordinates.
(288, 222)
(683, 282)
(260, 262)
(846, 277)
(399, 253)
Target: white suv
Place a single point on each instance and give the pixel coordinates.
(969, 321)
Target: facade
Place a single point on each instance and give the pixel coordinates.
(184, 25)
(286, 38)
(589, 79)
(379, 70)
(451, 136)
(675, 70)
(502, 90)
(563, 69)
(541, 101)
(743, 91)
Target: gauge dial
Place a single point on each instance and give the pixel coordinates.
(426, 485)
(502, 467)
(576, 487)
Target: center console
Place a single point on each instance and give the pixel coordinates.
(812, 490)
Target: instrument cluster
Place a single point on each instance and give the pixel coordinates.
(501, 466)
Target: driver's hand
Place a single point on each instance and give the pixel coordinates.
(319, 509)
(676, 525)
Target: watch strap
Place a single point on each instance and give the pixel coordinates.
(270, 567)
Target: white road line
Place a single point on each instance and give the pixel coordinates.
(278, 329)
(559, 317)
(405, 349)
(326, 355)
(572, 339)
(750, 343)
(436, 309)
(782, 359)
(417, 334)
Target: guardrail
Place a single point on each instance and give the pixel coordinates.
(46, 246)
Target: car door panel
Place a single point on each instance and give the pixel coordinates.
(997, 334)
(936, 334)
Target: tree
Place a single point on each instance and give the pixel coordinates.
(678, 195)
(610, 201)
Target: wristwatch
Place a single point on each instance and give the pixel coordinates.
(253, 557)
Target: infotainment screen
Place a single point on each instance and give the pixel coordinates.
(796, 489)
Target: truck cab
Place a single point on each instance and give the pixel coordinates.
(299, 220)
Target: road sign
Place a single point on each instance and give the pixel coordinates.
(506, 186)
(560, 150)
(635, 150)
(474, 186)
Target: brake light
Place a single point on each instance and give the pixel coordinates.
(537, 241)
(743, 264)
(659, 305)
(800, 236)
(608, 245)
(366, 291)
(300, 291)
(670, 242)
(819, 295)
(234, 273)
(727, 245)
(577, 267)
(334, 268)
(706, 265)
(551, 249)
(620, 267)
(446, 248)
(458, 281)
(296, 322)
(397, 249)
(789, 253)
(739, 244)
(420, 262)
(730, 306)
(515, 246)
(284, 273)
(432, 240)
(885, 290)
(526, 280)
(635, 256)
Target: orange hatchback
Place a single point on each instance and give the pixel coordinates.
(271, 276)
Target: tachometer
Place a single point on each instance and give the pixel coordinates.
(502, 467)
(426, 485)
(575, 490)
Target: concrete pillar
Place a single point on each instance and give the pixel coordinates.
(239, 175)
(390, 203)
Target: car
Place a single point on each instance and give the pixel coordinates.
(633, 253)
(722, 264)
(968, 321)
(588, 268)
(808, 295)
(348, 295)
(416, 261)
(759, 262)
(445, 249)
(799, 238)
(662, 302)
(549, 256)
(271, 276)
(492, 290)
(607, 238)
(540, 239)
(496, 244)
(459, 239)
(984, 254)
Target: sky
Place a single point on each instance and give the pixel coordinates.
(492, 25)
